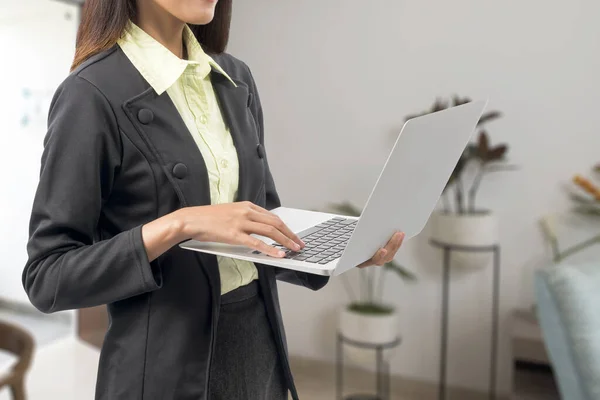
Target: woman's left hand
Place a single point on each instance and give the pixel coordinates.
(385, 254)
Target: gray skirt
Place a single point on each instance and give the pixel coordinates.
(246, 364)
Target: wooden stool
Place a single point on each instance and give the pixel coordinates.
(20, 343)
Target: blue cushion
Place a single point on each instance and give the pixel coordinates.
(568, 304)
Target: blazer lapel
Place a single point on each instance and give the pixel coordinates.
(233, 102)
(163, 130)
(165, 133)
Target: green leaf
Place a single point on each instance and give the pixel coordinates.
(467, 155)
(584, 199)
(439, 105)
(345, 208)
(370, 308)
(500, 167)
(588, 210)
(458, 101)
(483, 145)
(471, 152)
(414, 116)
(489, 117)
(497, 153)
(402, 272)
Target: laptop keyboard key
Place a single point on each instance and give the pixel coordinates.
(307, 233)
(325, 241)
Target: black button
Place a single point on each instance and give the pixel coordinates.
(250, 98)
(145, 116)
(260, 149)
(180, 171)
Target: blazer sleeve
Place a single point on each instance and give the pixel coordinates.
(67, 266)
(310, 281)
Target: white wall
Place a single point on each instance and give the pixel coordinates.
(336, 79)
(37, 44)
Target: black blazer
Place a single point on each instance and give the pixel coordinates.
(116, 156)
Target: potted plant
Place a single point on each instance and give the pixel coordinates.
(460, 221)
(367, 318)
(585, 194)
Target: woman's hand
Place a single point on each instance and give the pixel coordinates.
(233, 223)
(385, 254)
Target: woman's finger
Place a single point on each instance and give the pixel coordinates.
(258, 208)
(393, 245)
(382, 257)
(257, 244)
(372, 260)
(268, 218)
(394, 242)
(271, 232)
(377, 259)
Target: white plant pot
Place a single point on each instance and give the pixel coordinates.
(367, 328)
(479, 229)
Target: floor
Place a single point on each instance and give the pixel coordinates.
(64, 368)
(45, 330)
(534, 385)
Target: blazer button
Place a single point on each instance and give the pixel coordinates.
(260, 149)
(180, 171)
(145, 116)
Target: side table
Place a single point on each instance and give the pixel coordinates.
(382, 368)
(447, 250)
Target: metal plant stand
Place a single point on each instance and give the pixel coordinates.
(382, 368)
(447, 251)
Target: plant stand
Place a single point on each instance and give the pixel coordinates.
(447, 250)
(382, 368)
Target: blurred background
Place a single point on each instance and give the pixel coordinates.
(337, 80)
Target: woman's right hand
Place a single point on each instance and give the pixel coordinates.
(233, 223)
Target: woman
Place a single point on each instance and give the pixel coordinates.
(151, 142)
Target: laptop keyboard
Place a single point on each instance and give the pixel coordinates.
(324, 242)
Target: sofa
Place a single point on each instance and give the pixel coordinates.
(568, 310)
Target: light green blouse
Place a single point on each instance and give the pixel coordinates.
(187, 82)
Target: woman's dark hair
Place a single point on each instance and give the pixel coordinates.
(103, 22)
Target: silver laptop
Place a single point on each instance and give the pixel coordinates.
(411, 182)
